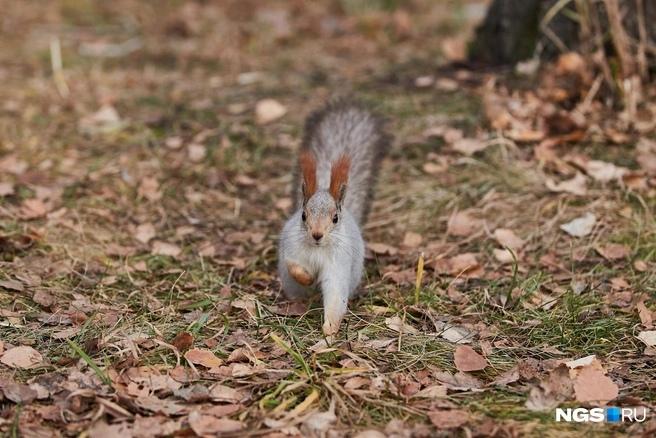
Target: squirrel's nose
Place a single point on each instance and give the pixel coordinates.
(317, 236)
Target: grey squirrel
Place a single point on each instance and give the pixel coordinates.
(321, 243)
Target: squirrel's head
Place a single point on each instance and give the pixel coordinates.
(322, 209)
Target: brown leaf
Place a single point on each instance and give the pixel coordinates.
(291, 308)
(203, 357)
(33, 208)
(101, 429)
(183, 341)
(43, 298)
(646, 316)
(224, 393)
(613, 251)
(448, 419)
(592, 385)
(166, 249)
(144, 232)
(463, 224)
(18, 393)
(382, 248)
(12, 285)
(412, 240)
(222, 410)
(398, 325)
(154, 404)
(648, 337)
(507, 377)
(268, 110)
(204, 425)
(149, 189)
(6, 189)
(575, 186)
(603, 171)
(466, 359)
(356, 382)
(434, 391)
(508, 238)
(154, 426)
(460, 381)
(196, 152)
(469, 146)
(23, 357)
(464, 265)
(504, 256)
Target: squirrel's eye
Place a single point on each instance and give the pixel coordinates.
(303, 217)
(335, 218)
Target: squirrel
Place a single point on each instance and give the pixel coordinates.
(321, 244)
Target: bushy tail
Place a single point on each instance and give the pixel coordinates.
(343, 127)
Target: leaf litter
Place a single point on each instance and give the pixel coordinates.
(140, 214)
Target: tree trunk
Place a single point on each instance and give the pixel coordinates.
(512, 29)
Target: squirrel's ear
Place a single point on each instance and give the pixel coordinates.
(309, 172)
(339, 178)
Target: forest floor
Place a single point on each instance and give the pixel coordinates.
(144, 182)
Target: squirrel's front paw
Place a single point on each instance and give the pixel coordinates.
(300, 274)
(331, 327)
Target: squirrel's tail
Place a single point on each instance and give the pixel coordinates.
(344, 127)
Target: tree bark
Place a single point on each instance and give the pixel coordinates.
(512, 30)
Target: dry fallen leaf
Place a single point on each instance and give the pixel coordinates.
(603, 171)
(508, 238)
(398, 325)
(6, 189)
(144, 232)
(103, 121)
(382, 248)
(581, 226)
(149, 189)
(448, 419)
(268, 110)
(504, 256)
(183, 341)
(23, 357)
(463, 224)
(434, 391)
(224, 393)
(318, 423)
(648, 337)
(204, 425)
(206, 358)
(18, 393)
(463, 265)
(457, 334)
(412, 240)
(166, 249)
(646, 315)
(592, 385)
(33, 208)
(614, 251)
(467, 359)
(469, 146)
(196, 152)
(575, 186)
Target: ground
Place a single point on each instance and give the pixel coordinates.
(145, 177)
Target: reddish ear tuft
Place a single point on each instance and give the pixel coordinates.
(339, 176)
(309, 171)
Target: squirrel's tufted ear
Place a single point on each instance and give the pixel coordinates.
(339, 178)
(309, 171)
